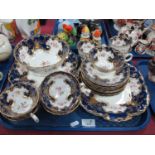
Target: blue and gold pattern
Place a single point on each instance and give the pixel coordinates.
(5, 106)
(46, 98)
(140, 102)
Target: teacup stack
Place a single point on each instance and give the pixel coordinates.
(105, 71)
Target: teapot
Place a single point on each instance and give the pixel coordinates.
(5, 48)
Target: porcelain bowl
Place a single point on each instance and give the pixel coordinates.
(41, 53)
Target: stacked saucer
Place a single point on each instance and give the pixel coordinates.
(105, 72)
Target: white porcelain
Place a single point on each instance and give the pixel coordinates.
(42, 58)
(103, 60)
(84, 48)
(147, 46)
(60, 93)
(122, 46)
(20, 100)
(106, 59)
(115, 103)
(5, 48)
(94, 74)
(41, 54)
(20, 72)
(132, 31)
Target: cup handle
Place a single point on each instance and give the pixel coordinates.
(128, 57)
(34, 117)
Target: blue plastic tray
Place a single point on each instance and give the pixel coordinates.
(143, 67)
(62, 123)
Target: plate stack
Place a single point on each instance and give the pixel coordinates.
(105, 72)
(111, 88)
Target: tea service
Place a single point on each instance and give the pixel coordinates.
(104, 84)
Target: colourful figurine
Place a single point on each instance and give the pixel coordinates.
(85, 33)
(63, 36)
(97, 36)
(67, 28)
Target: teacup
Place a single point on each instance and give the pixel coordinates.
(84, 48)
(123, 45)
(19, 102)
(106, 59)
(5, 48)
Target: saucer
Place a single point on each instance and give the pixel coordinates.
(19, 101)
(107, 91)
(19, 72)
(132, 101)
(60, 93)
(41, 53)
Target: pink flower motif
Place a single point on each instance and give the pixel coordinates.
(60, 91)
(45, 63)
(54, 44)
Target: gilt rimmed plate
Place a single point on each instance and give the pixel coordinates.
(19, 101)
(133, 101)
(106, 59)
(60, 93)
(41, 53)
(111, 79)
(19, 72)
